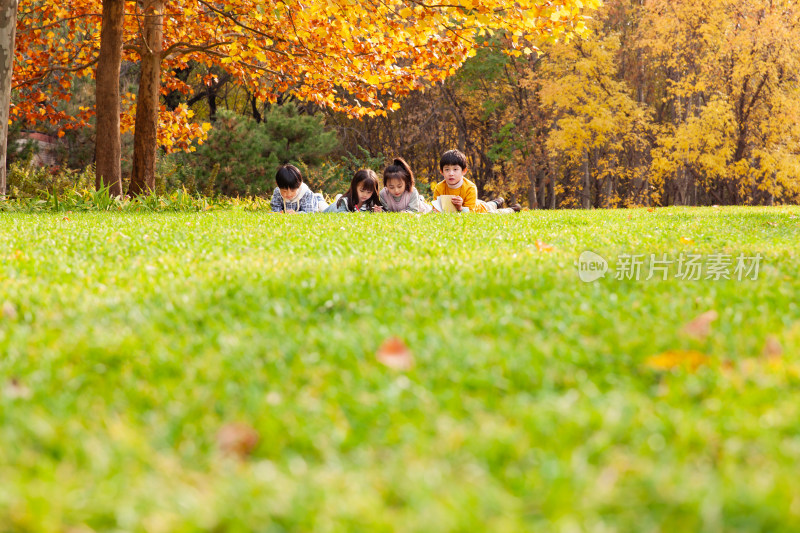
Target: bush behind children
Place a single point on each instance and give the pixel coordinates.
(398, 195)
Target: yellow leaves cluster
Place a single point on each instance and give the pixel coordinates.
(698, 328)
(705, 143)
(765, 365)
(687, 359)
(176, 129)
(720, 118)
(178, 132)
(736, 113)
(766, 368)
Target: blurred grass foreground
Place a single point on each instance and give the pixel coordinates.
(239, 371)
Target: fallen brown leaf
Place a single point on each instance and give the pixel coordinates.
(237, 439)
(394, 354)
(544, 247)
(9, 311)
(16, 390)
(700, 327)
(772, 348)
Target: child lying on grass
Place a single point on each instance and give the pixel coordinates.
(399, 194)
(462, 192)
(361, 196)
(292, 195)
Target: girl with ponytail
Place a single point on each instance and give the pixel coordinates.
(399, 194)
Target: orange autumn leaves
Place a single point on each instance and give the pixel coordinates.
(394, 354)
(698, 328)
(690, 360)
(357, 56)
(544, 247)
(238, 440)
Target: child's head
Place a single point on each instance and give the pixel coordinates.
(453, 158)
(363, 189)
(398, 178)
(289, 180)
(453, 166)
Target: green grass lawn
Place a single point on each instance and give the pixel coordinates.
(537, 402)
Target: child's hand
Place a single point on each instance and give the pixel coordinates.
(377, 208)
(457, 202)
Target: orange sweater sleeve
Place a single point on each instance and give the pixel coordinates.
(470, 195)
(437, 190)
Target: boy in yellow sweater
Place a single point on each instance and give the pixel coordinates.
(453, 166)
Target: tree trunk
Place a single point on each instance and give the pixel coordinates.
(8, 30)
(683, 186)
(586, 193)
(552, 170)
(542, 194)
(211, 97)
(533, 201)
(608, 182)
(108, 149)
(254, 106)
(143, 175)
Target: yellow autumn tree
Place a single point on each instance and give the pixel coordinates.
(598, 132)
(729, 95)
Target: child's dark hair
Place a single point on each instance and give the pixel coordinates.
(288, 177)
(368, 177)
(453, 157)
(399, 169)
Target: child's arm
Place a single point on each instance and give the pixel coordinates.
(382, 195)
(413, 204)
(437, 190)
(277, 202)
(308, 203)
(470, 198)
(335, 206)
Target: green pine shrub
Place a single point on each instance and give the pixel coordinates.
(240, 156)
